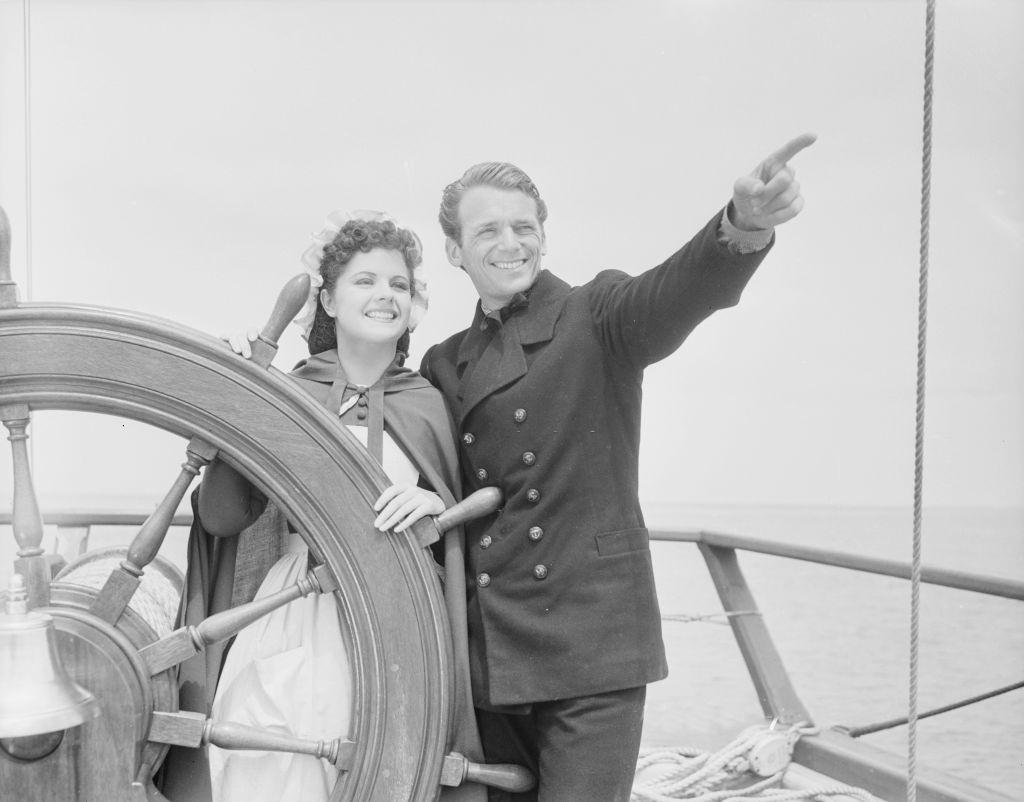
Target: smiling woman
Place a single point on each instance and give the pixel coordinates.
(275, 672)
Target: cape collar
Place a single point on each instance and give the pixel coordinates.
(325, 368)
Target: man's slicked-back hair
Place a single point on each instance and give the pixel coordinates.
(489, 174)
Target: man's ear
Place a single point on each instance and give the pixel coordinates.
(453, 251)
(327, 301)
(543, 242)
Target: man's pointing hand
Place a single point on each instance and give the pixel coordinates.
(770, 194)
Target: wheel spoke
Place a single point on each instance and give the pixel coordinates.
(123, 580)
(194, 729)
(25, 518)
(187, 641)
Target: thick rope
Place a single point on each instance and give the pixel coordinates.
(922, 339)
(716, 777)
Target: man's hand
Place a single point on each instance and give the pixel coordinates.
(400, 506)
(770, 195)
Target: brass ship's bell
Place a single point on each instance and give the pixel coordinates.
(36, 694)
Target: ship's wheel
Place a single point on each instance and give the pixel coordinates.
(254, 418)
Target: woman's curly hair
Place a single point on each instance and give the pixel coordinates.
(360, 236)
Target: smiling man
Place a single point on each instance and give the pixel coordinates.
(544, 388)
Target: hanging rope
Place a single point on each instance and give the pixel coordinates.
(922, 338)
(27, 72)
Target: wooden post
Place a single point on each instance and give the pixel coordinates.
(112, 600)
(8, 289)
(289, 303)
(25, 518)
(776, 692)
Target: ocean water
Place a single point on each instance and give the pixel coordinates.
(842, 635)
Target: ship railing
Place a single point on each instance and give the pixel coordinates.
(832, 752)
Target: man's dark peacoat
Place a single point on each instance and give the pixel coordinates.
(546, 403)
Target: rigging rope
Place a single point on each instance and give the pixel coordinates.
(27, 72)
(922, 338)
(856, 732)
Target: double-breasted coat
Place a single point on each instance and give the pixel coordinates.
(546, 403)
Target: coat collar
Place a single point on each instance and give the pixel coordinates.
(534, 324)
(502, 361)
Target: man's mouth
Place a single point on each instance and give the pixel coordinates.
(512, 265)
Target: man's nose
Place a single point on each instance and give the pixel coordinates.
(508, 238)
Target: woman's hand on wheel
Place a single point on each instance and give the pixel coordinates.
(241, 341)
(400, 506)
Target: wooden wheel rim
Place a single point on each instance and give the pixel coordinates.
(166, 375)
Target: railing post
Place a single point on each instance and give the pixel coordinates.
(776, 692)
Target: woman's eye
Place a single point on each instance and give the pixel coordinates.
(402, 286)
(364, 281)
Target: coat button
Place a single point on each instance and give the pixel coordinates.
(468, 438)
(533, 495)
(540, 571)
(519, 415)
(482, 474)
(529, 458)
(485, 541)
(483, 580)
(535, 533)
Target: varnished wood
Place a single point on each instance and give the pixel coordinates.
(124, 580)
(774, 689)
(187, 641)
(289, 303)
(482, 502)
(8, 289)
(25, 519)
(193, 729)
(506, 776)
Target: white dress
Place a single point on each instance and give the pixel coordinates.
(289, 673)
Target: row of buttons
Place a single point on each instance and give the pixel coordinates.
(539, 572)
(535, 534)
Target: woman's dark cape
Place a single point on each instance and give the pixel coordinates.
(226, 571)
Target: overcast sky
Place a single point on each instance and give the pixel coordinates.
(182, 152)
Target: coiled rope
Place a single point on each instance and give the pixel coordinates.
(668, 775)
(922, 339)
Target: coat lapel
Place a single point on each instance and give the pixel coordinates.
(502, 361)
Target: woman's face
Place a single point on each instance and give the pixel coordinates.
(371, 299)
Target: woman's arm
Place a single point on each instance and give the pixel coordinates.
(228, 502)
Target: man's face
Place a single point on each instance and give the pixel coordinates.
(502, 243)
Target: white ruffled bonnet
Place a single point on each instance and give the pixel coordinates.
(312, 256)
